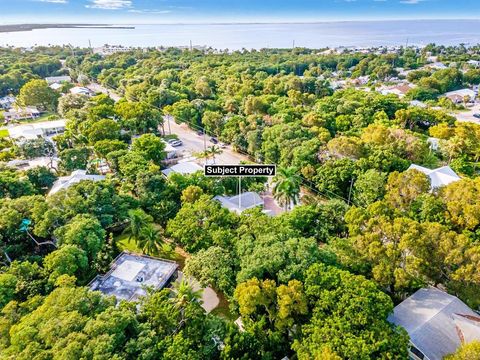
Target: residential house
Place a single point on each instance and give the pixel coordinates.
(437, 323)
(75, 177)
(438, 177)
(462, 95)
(57, 79)
(170, 150)
(417, 103)
(183, 168)
(80, 90)
(56, 86)
(242, 202)
(474, 63)
(36, 130)
(15, 114)
(437, 66)
(399, 90)
(131, 275)
(6, 102)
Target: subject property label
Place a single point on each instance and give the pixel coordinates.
(240, 170)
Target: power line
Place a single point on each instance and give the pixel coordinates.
(326, 193)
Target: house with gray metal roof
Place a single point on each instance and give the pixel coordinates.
(438, 323)
(242, 202)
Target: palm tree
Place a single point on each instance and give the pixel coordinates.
(150, 240)
(203, 155)
(287, 186)
(138, 220)
(214, 150)
(184, 293)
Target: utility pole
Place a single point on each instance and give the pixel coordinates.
(240, 193)
(350, 191)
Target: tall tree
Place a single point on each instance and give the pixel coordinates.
(287, 186)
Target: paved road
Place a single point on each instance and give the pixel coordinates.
(193, 143)
(468, 115)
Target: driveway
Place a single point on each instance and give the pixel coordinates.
(468, 115)
(210, 299)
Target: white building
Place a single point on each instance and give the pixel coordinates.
(75, 177)
(111, 49)
(36, 130)
(437, 66)
(474, 63)
(400, 90)
(57, 79)
(459, 96)
(242, 202)
(80, 90)
(438, 323)
(438, 177)
(56, 86)
(170, 150)
(419, 104)
(6, 102)
(183, 168)
(15, 114)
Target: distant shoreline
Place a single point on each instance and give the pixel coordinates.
(30, 27)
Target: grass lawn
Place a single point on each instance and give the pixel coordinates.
(179, 256)
(3, 133)
(124, 243)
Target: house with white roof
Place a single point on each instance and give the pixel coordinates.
(438, 177)
(400, 90)
(56, 86)
(14, 114)
(80, 90)
(437, 323)
(170, 151)
(474, 63)
(183, 168)
(417, 103)
(36, 130)
(75, 177)
(437, 66)
(459, 96)
(57, 79)
(242, 202)
(6, 102)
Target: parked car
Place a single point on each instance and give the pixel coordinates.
(175, 142)
(476, 116)
(214, 140)
(200, 133)
(222, 145)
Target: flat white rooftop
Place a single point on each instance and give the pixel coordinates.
(131, 274)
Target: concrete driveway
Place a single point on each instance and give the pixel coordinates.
(468, 115)
(210, 299)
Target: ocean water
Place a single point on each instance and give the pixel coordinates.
(256, 36)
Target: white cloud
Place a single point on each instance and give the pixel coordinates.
(109, 4)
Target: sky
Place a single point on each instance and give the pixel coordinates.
(206, 11)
